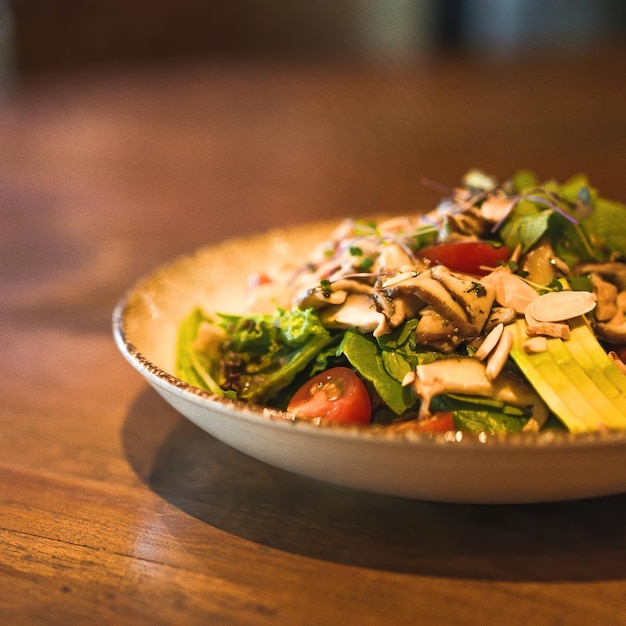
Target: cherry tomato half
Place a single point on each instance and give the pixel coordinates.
(466, 256)
(439, 422)
(336, 395)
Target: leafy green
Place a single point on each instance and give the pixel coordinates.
(385, 361)
(195, 365)
(480, 415)
(263, 353)
(581, 225)
(258, 356)
(365, 356)
(526, 225)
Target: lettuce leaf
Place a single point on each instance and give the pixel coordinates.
(263, 353)
(193, 365)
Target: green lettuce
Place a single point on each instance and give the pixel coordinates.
(259, 355)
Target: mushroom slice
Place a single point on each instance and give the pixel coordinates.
(357, 311)
(606, 293)
(317, 297)
(469, 223)
(350, 285)
(452, 375)
(476, 298)
(558, 306)
(540, 264)
(392, 257)
(513, 389)
(614, 331)
(397, 307)
(437, 332)
(438, 297)
(467, 375)
(499, 315)
(614, 271)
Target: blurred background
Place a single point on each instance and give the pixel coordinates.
(38, 36)
(182, 123)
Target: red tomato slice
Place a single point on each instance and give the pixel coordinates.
(336, 395)
(439, 422)
(466, 256)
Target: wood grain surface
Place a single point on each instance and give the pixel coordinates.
(116, 510)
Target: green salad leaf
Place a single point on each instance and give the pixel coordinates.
(263, 353)
(194, 364)
(581, 225)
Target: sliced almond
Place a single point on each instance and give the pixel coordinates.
(618, 362)
(489, 343)
(549, 329)
(499, 356)
(558, 306)
(535, 345)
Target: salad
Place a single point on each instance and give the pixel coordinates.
(502, 310)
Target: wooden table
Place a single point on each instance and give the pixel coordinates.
(116, 510)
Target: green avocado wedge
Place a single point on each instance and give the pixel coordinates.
(576, 378)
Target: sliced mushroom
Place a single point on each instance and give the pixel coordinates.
(614, 331)
(451, 375)
(606, 293)
(392, 257)
(466, 375)
(470, 223)
(395, 306)
(436, 331)
(476, 298)
(499, 315)
(317, 297)
(433, 292)
(613, 271)
(357, 311)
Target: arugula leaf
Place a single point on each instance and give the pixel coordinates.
(581, 225)
(525, 226)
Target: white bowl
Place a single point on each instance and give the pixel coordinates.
(444, 467)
